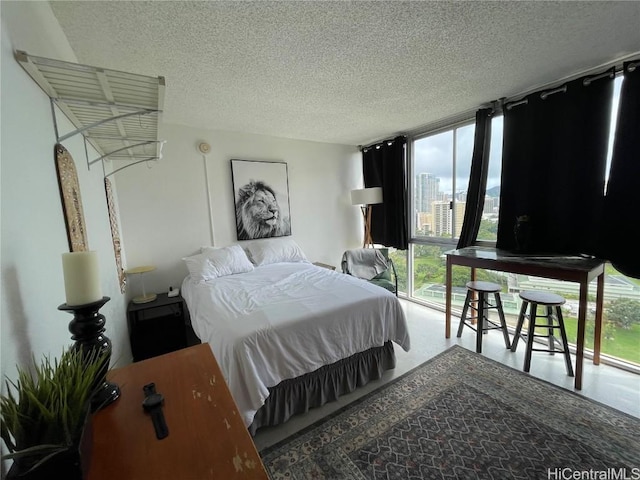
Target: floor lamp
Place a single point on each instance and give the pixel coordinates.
(365, 198)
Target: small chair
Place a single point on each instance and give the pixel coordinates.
(552, 302)
(372, 265)
(482, 306)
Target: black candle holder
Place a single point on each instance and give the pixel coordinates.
(87, 328)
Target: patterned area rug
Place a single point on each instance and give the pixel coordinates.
(463, 416)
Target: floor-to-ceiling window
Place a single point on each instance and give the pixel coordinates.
(440, 166)
(440, 163)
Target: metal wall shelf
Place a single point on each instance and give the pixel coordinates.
(117, 112)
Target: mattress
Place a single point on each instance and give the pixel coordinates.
(284, 320)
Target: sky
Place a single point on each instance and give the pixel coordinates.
(434, 155)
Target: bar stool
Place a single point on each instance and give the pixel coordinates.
(482, 306)
(552, 302)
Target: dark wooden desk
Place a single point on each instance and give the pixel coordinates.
(571, 269)
(207, 437)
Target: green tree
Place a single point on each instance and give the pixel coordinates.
(430, 273)
(459, 277)
(609, 330)
(488, 230)
(493, 277)
(426, 251)
(624, 312)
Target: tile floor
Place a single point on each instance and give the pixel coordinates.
(615, 387)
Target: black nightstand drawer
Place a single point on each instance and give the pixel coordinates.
(164, 311)
(157, 327)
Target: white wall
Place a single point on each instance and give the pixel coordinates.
(33, 229)
(163, 208)
(164, 211)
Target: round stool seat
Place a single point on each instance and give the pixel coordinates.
(487, 287)
(542, 298)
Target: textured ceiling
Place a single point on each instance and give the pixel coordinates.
(344, 72)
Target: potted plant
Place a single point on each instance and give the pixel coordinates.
(43, 422)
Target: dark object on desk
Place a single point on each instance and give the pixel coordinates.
(522, 233)
(158, 327)
(152, 404)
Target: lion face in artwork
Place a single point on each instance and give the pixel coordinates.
(258, 213)
(261, 208)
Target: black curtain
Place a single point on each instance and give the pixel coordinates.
(384, 165)
(553, 167)
(622, 200)
(477, 178)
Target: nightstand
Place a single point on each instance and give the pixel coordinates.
(158, 327)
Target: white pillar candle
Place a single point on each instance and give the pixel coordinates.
(81, 277)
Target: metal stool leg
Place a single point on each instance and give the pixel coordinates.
(503, 321)
(516, 336)
(465, 309)
(565, 343)
(532, 326)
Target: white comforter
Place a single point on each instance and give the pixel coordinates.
(283, 320)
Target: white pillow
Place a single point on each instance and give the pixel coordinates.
(218, 262)
(274, 250)
(199, 267)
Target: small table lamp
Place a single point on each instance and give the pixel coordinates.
(365, 197)
(145, 297)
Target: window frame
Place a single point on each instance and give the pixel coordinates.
(452, 242)
(413, 238)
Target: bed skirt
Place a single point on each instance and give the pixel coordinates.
(326, 384)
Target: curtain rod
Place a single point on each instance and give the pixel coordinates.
(380, 142)
(553, 87)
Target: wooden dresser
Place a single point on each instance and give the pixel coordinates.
(207, 437)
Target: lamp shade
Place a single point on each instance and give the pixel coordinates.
(143, 269)
(144, 298)
(366, 196)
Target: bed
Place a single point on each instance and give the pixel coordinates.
(289, 335)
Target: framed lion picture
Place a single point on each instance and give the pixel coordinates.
(261, 198)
